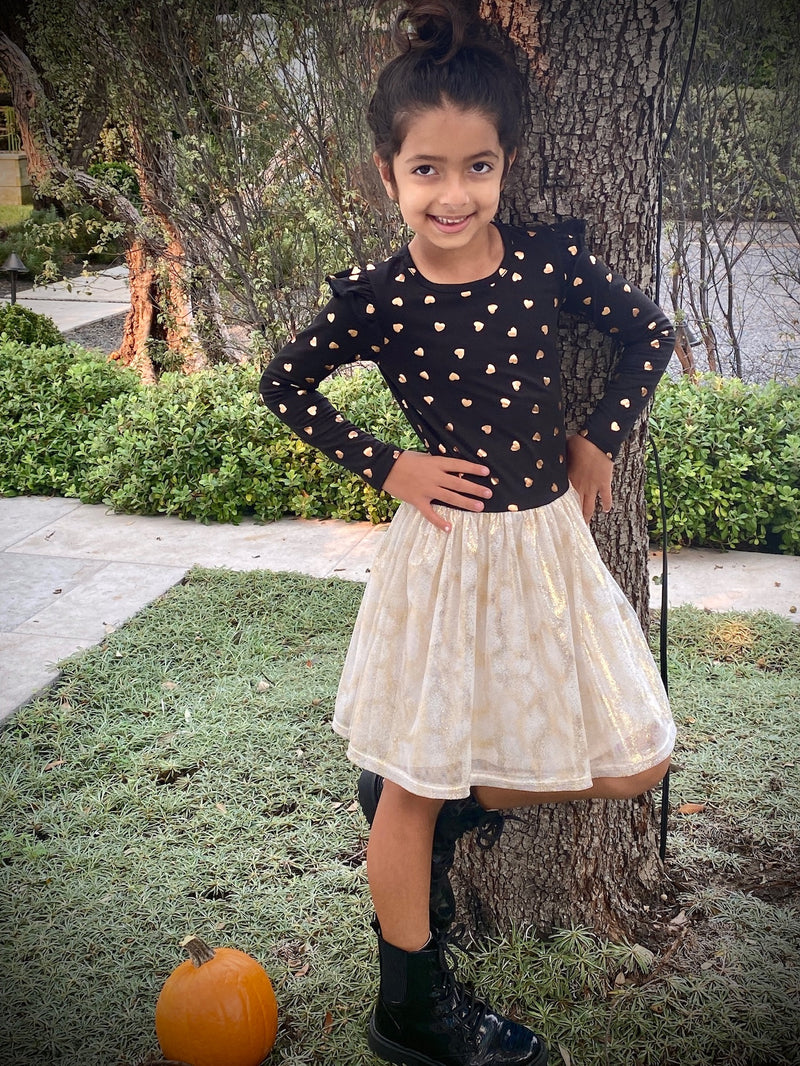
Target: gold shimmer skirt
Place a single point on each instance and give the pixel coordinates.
(502, 653)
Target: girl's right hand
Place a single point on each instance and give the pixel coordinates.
(418, 478)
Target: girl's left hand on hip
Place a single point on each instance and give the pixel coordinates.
(589, 471)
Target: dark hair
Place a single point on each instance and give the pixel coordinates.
(444, 59)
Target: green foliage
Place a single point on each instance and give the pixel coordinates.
(18, 323)
(50, 402)
(196, 446)
(47, 242)
(120, 176)
(730, 458)
(204, 447)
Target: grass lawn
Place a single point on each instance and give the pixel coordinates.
(14, 214)
(183, 777)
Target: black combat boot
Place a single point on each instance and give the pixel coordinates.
(424, 1017)
(456, 818)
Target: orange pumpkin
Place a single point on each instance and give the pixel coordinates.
(216, 1009)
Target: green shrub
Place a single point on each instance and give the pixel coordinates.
(204, 447)
(730, 459)
(51, 400)
(18, 323)
(191, 446)
(119, 176)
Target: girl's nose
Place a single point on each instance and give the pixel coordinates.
(454, 193)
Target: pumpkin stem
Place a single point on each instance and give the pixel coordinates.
(199, 951)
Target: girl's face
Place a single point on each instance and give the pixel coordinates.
(447, 178)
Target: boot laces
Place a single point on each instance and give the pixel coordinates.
(467, 1006)
(490, 828)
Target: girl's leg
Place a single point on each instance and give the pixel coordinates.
(399, 865)
(423, 1015)
(602, 788)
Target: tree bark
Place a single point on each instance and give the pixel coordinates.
(138, 327)
(173, 318)
(597, 76)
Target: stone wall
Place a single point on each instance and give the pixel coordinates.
(15, 186)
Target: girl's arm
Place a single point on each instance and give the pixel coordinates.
(646, 341)
(643, 332)
(342, 333)
(347, 331)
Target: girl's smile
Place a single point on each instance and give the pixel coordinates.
(447, 178)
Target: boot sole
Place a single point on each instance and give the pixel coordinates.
(401, 1056)
(396, 1053)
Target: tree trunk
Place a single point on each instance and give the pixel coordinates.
(597, 76)
(173, 318)
(133, 351)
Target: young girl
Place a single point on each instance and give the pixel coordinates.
(495, 663)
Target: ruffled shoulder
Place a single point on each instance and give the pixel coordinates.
(356, 302)
(352, 283)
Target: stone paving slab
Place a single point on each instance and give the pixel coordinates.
(29, 666)
(21, 516)
(109, 286)
(314, 547)
(32, 585)
(79, 301)
(101, 601)
(71, 314)
(729, 581)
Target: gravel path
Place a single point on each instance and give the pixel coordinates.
(105, 335)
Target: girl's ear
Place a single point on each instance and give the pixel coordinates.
(385, 171)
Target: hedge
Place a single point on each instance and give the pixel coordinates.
(204, 447)
(20, 323)
(52, 402)
(730, 456)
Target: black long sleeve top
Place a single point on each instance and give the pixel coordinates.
(475, 367)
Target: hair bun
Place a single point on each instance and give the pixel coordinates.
(440, 27)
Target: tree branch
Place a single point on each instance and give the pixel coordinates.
(44, 163)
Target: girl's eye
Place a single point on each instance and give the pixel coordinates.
(424, 170)
(482, 167)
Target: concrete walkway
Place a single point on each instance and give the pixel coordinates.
(71, 573)
(80, 301)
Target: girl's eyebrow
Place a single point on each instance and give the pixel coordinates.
(442, 159)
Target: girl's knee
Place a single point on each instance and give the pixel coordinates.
(630, 787)
(399, 797)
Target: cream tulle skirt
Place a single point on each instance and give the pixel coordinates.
(502, 653)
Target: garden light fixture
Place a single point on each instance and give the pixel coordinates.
(13, 266)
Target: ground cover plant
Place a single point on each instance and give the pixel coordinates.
(182, 777)
(52, 244)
